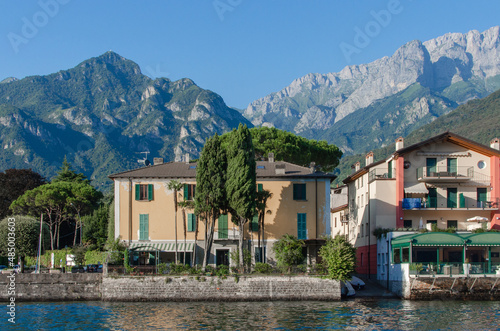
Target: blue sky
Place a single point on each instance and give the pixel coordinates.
(240, 49)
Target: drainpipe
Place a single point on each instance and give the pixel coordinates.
(130, 212)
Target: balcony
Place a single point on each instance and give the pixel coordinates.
(226, 234)
(433, 203)
(381, 174)
(454, 269)
(445, 174)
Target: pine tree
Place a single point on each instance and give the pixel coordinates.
(210, 198)
(67, 174)
(241, 181)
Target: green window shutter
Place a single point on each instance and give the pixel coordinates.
(462, 200)
(295, 192)
(191, 222)
(432, 197)
(299, 191)
(143, 227)
(254, 226)
(431, 165)
(389, 169)
(451, 165)
(137, 192)
(481, 197)
(452, 197)
(260, 188)
(150, 192)
(186, 192)
(303, 193)
(301, 226)
(222, 227)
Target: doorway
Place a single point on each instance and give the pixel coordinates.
(222, 257)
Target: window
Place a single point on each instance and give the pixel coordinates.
(301, 226)
(432, 197)
(299, 191)
(189, 191)
(261, 167)
(191, 223)
(362, 230)
(362, 203)
(406, 254)
(335, 221)
(144, 227)
(431, 166)
(452, 197)
(260, 254)
(254, 224)
(361, 181)
(481, 197)
(389, 169)
(481, 164)
(222, 231)
(451, 165)
(407, 224)
(396, 255)
(260, 188)
(361, 259)
(144, 192)
(452, 224)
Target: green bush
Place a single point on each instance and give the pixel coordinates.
(263, 268)
(163, 268)
(340, 257)
(222, 270)
(288, 251)
(179, 268)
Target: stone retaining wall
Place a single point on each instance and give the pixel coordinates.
(189, 288)
(70, 287)
(52, 287)
(462, 288)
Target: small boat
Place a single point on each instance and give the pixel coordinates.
(347, 289)
(357, 283)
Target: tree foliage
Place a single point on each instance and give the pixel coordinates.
(13, 184)
(288, 251)
(241, 181)
(95, 230)
(27, 233)
(211, 198)
(67, 174)
(289, 147)
(340, 258)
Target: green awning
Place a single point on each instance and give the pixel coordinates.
(162, 247)
(483, 239)
(429, 239)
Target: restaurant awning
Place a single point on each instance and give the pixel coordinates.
(429, 239)
(162, 247)
(418, 188)
(484, 239)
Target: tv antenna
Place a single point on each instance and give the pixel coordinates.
(145, 161)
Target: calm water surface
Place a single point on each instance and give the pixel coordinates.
(346, 315)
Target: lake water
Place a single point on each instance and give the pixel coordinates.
(345, 315)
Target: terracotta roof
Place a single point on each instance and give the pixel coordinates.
(265, 169)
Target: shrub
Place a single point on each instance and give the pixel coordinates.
(222, 271)
(247, 257)
(263, 268)
(179, 268)
(163, 268)
(340, 258)
(302, 268)
(288, 250)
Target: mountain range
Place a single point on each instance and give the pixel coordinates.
(367, 106)
(103, 113)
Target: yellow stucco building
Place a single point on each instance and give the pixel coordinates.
(144, 213)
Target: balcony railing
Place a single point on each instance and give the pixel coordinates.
(451, 269)
(445, 173)
(434, 202)
(226, 234)
(381, 174)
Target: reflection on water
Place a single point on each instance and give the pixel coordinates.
(345, 315)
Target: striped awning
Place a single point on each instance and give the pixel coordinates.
(162, 247)
(418, 188)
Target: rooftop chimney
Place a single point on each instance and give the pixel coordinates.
(157, 160)
(369, 158)
(280, 169)
(186, 157)
(357, 166)
(399, 143)
(495, 143)
(270, 157)
(312, 166)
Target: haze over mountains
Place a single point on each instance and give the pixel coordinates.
(104, 112)
(369, 105)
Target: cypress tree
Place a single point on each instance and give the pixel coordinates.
(210, 198)
(241, 181)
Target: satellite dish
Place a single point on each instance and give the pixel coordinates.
(146, 162)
